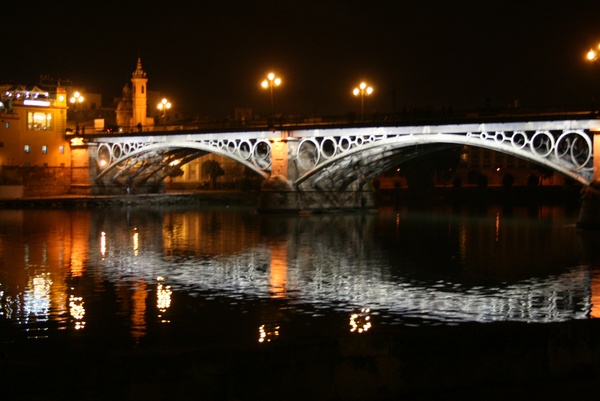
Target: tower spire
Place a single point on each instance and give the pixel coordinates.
(139, 72)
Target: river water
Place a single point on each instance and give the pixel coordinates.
(223, 275)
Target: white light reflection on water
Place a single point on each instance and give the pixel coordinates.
(77, 311)
(35, 309)
(163, 297)
(103, 243)
(37, 297)
(336, 280)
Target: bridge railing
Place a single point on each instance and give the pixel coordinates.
(408, 116)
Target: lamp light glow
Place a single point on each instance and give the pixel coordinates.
(362, 90)
(592, 54)
(271, 82)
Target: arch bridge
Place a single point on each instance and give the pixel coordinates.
(330, 167)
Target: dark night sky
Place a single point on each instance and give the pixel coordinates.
(209, 57)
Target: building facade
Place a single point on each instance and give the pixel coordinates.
(41, 153)
(35, 157)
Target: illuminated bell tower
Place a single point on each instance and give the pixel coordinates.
(61, 104)
(61, 96)
(139, 95)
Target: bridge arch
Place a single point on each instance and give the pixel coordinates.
(335, 162)
(131, 163)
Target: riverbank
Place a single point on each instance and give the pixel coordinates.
(224, 198)
(384, 197)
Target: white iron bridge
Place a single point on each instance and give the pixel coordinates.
(339, 158)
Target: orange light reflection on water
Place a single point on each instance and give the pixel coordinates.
(138, 310)
(278, 277)
(595, 298)
(268, 332)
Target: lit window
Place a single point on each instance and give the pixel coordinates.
(26, 149)
(7, 124)
(45, 149)
(39, 121)
(61, 150)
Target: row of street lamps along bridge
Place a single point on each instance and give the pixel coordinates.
(272, 81)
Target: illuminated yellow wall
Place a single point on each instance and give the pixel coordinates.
(14, 135)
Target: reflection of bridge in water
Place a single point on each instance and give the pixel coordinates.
(344, 269)
(317, 265)
(330, 167)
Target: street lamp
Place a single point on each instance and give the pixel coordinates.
(75, 99)
(362, 90)
(269, 83)
(592, 55)
(163, 106)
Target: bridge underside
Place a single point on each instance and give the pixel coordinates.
(146, 170)
(342, 186)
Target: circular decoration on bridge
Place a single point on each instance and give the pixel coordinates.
(128, 148)
(245, 149)
(518, 139)
(117, 151)
(345, 143)
(231, 146)
(499, 137)
(542, 143)
(328, 147)
(103, 153)
(261, 154)
(358, 140)
(574, 147)
(308, 153)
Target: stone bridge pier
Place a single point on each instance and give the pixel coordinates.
(289, 190)
(589, 212)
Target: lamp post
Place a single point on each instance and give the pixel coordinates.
(362, 90)
(269, 83)
(76, 99)
(163, 106)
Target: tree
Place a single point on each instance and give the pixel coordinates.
(213, 170)
(251, 180)
(508, 180)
